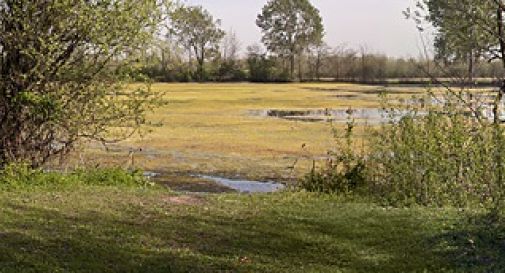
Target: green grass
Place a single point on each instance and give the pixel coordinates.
(112, 229)
(116, 226)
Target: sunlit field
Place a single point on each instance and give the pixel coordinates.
(224, 128)
(252, 136)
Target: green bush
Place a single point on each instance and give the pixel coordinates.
(435, 155)
(344, 170)
(333, 179)
(437, 159)
(23, 176)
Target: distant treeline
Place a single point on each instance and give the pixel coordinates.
(166, 62)
(194, 47)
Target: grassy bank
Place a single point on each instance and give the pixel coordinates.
(111, 229)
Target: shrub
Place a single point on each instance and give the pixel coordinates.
(434, 155)
(344, 170)
(435, 159)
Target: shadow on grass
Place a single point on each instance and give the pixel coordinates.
(200, 240)
(479, 246)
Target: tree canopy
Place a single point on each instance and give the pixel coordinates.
(61, 64)
(289, 27)
(464, 29)
(197, 30)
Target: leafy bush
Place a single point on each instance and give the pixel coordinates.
(435, 159)
(23, 176)
(264, 68)
(434, 155)
(344, 170)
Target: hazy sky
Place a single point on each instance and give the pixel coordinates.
(377, 24)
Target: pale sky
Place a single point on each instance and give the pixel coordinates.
(377, 24)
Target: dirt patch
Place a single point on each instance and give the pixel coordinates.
(185, 200)
(348, 96)
(187, 183)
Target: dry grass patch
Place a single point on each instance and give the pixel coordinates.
(209, 128)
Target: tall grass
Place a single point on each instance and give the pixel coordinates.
(22, 176)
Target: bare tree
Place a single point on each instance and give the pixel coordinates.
(230, 46)
(318, 56)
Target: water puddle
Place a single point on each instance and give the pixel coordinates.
(197, 183)
(148, 174)
(360, 115)
(245, 186)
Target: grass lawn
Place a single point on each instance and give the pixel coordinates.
(93, 229)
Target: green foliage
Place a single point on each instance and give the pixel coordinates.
(229, 71)
(197, 30)
(344, 171)
(290, 27)
(265, 69)
(438, 158)
(62, 73)
(429, 155)
(15, 176)
(462, 27)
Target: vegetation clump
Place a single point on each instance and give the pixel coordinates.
(22, 176)
(343, 171)
(62, 68)
(433, 156)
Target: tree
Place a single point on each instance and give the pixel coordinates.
(197, 30)
(459, 35)
(230, 47)
(164, 60)
(484, 18)
(289, 27)
(230, 67)
(61, 63)
(318, 54)
(263, 68)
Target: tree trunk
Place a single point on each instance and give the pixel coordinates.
(201, 73)
(292, 66)
(300, 72)
(499, 160)
(164, 62)
(190, 61)
(363, 66)
(471, 67)
(318, 67)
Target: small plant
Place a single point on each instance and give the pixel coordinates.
(344, 171)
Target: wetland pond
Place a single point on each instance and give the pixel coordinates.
(360, 115)
(199, 183)
(245, 186)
